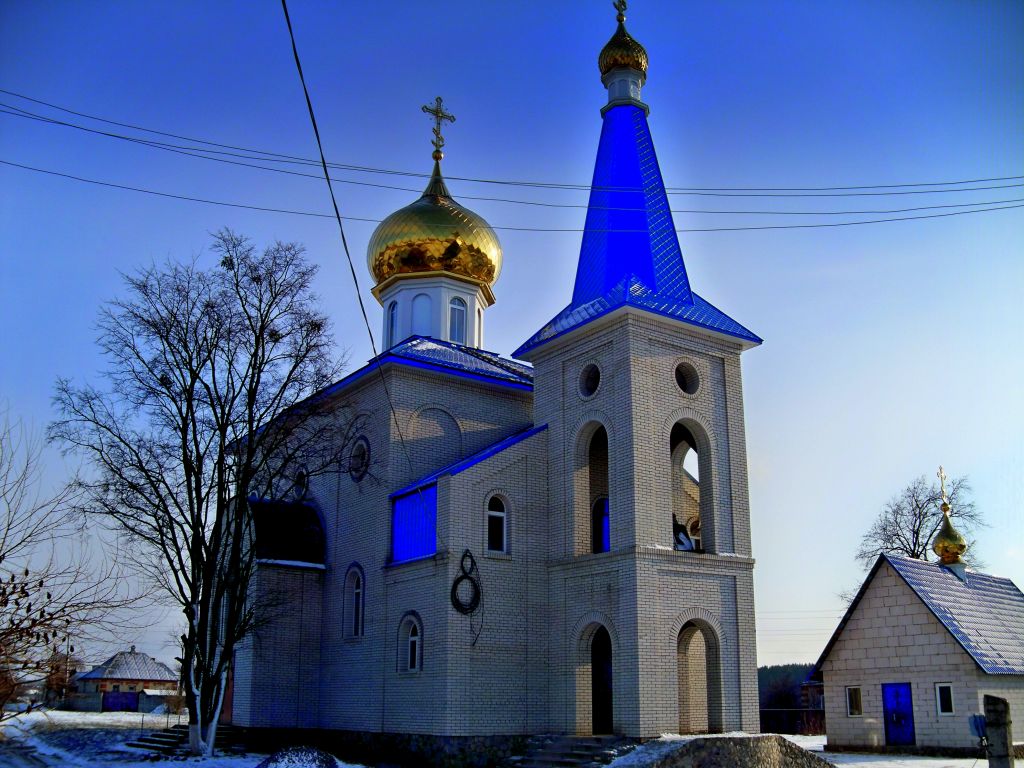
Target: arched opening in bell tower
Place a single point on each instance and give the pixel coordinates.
(691, 486)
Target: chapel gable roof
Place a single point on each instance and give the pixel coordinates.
(130, 665)
(983, 613)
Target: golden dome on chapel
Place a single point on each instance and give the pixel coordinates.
(622, 50)
(435, 236)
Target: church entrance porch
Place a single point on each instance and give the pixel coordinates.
(699, 674)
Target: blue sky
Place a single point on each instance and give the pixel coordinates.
(889, 348)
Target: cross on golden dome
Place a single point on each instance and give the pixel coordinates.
(439, 115)
(941, 474)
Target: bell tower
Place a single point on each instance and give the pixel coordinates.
(639, 381)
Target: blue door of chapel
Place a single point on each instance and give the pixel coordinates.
(898, 709)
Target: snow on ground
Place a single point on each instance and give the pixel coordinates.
(646, 753)
(97, 740)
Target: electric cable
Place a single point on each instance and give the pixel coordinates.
(269, 209)
(344, 240)
(199, 153)
(277, 156)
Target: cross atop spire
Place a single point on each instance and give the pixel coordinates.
(941, 474)
(439, 115)
(620, 6)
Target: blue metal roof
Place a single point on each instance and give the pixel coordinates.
(630, 253)
(984, 613)
(463, 464)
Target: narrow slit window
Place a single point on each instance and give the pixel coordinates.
(414, 649)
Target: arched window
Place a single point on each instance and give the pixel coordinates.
(410, 644)
(422, 308)
(392, 325)
(600, 526)
(355, 602)
(496, 531)
(479, 327)
(457, 321)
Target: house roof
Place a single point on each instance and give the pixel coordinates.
(983, 613)
(630, 253)
(463, 464)
(130, 665)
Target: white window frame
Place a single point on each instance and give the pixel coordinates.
(860, 695)
(410, 641)
(503, 514)
(414, 649)
(392, 323)
(457, 308)
(938, 701)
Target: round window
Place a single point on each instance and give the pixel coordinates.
(687, 379)
(590, 380)
(359, 459)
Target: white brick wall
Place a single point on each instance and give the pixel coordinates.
(520, 664)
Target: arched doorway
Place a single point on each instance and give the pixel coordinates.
(601, 680)
(699, 670)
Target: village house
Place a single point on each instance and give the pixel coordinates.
(128, 681)
(919, 647)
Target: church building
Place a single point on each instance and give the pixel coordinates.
(557, 542)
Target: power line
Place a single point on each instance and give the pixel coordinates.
(199, 153)
(498, 227)
(711, 191)
(341, 231)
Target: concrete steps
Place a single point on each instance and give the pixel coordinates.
(571, 752)
(174, 740)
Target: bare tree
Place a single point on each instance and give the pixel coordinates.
(49, 589)
(212, 399)
(908, 522)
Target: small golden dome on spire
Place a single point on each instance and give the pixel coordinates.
(435, 235)
(622, 50)
(949, 545)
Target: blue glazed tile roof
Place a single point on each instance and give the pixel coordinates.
(463, 464)
(630, 253)
(984, 614)
(695, 312)
(130, 665)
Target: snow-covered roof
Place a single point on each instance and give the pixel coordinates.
(983, 613)
(130, 665)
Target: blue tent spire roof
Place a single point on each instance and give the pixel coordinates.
(630, 253)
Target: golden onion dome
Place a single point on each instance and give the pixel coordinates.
(622, 50)
(949, 545)
(433, 236)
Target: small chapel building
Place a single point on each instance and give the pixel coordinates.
(553, 542)
(918, 649)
